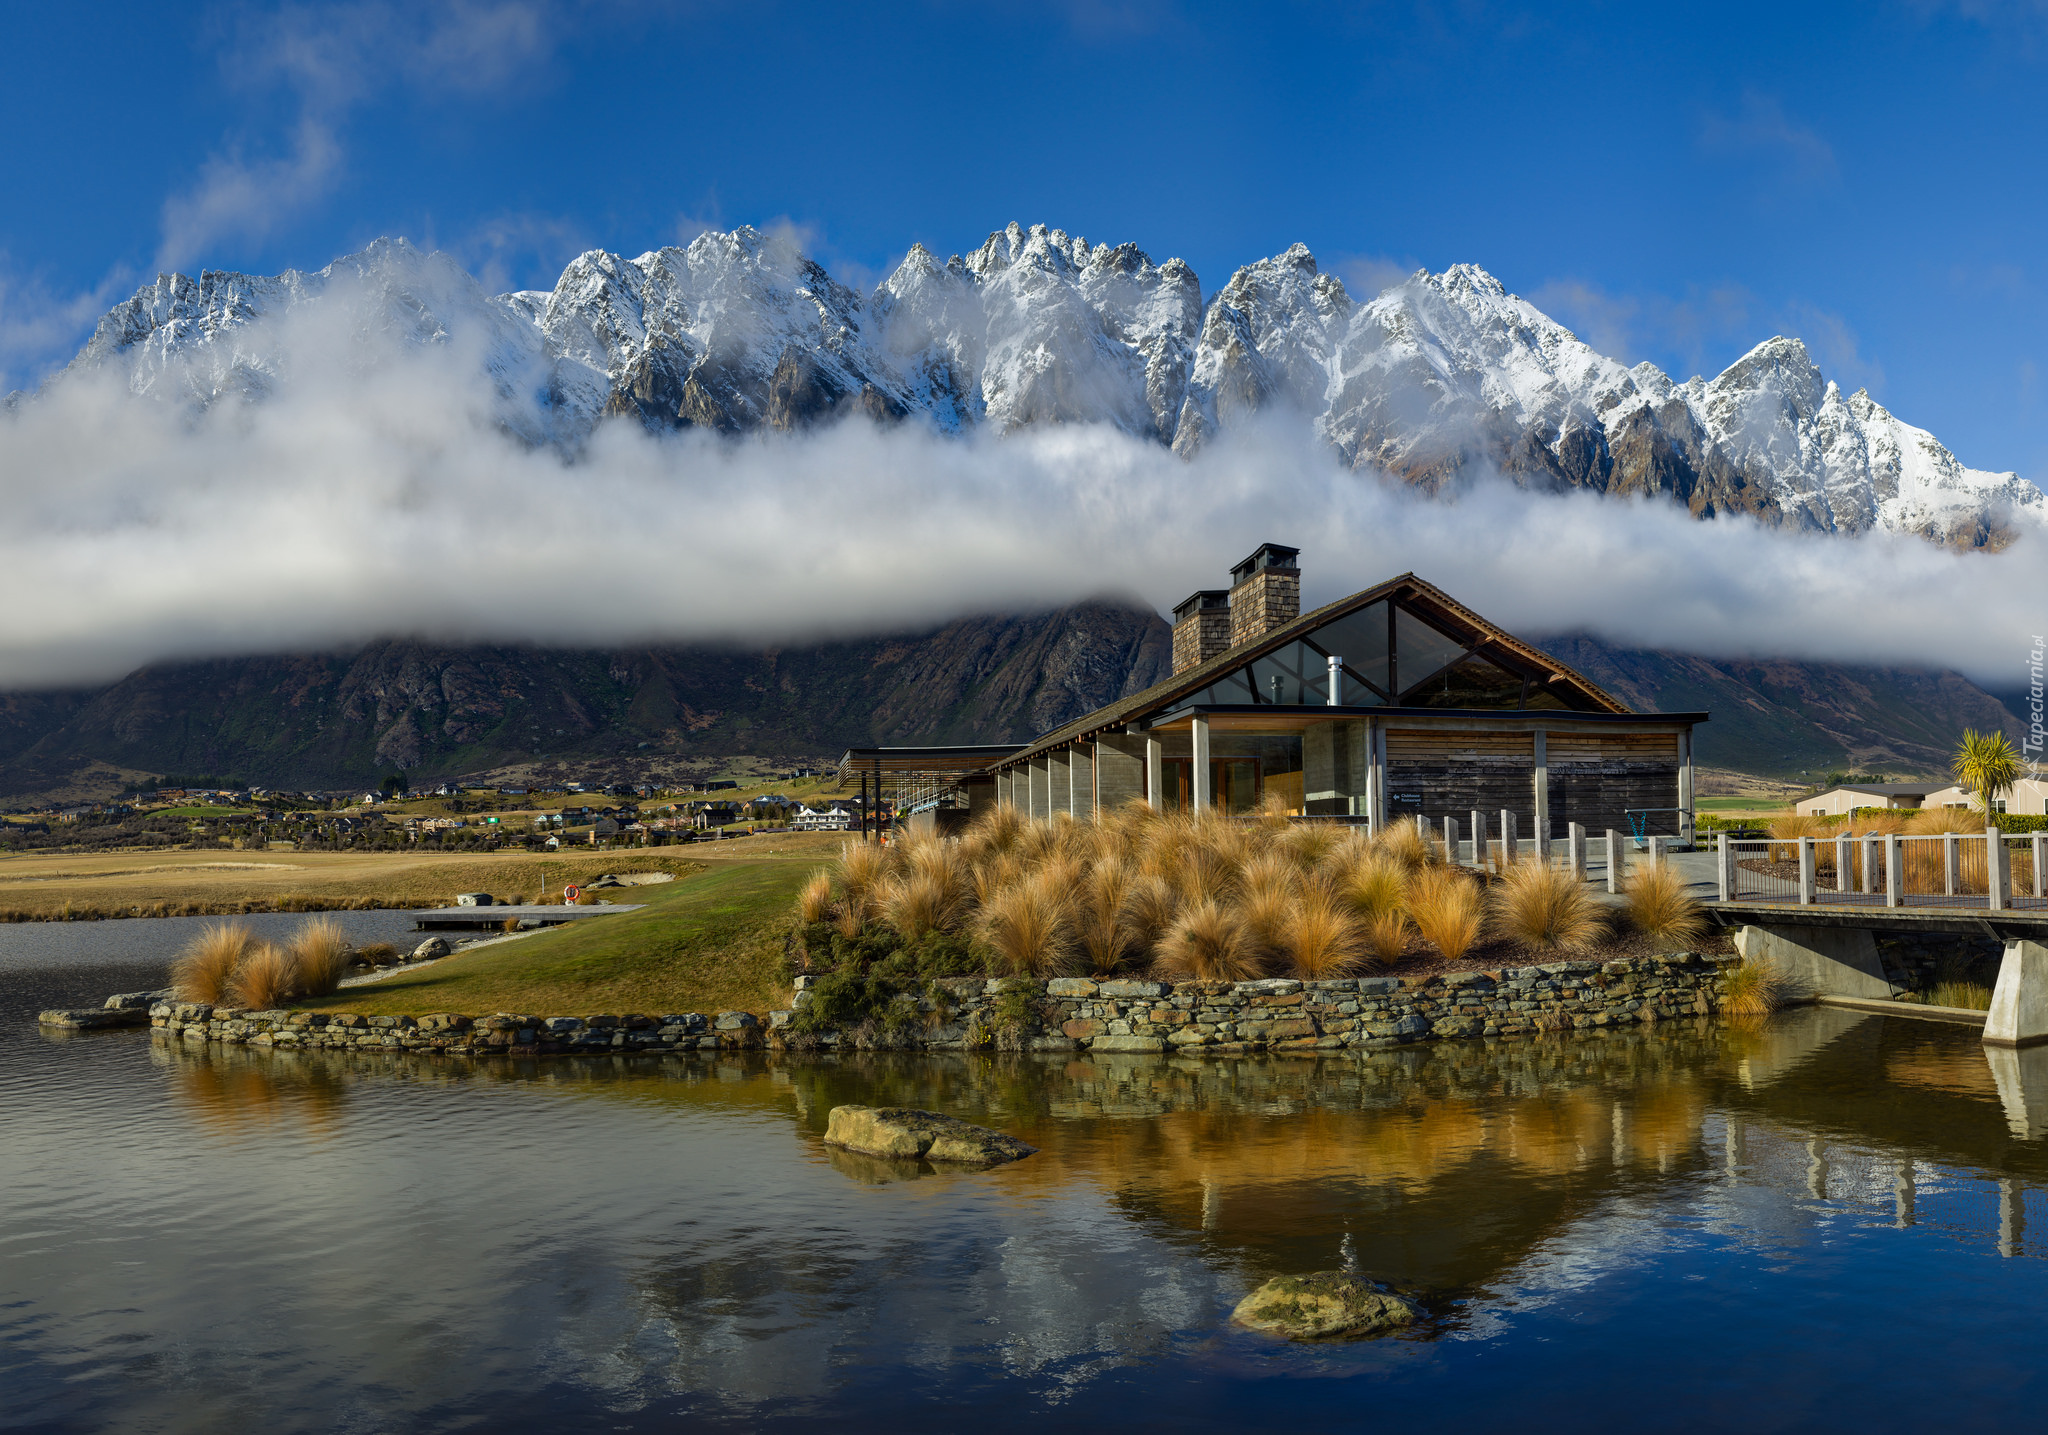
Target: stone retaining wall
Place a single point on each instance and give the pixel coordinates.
(1064, 1014)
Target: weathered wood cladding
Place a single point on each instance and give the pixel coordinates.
(1436, 772)
(1597, 777)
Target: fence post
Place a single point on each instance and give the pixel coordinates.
(1867, 850)
(1614, 860)
(1541, 825)
(1510, 839)
(1451, 840)
(1575, 850)
(1894, 879)
(1997, 871)
(1844, 876)
(1950, 865)
(1478, 838)
(1656, 850)
(1725, 867)
(1806, 871)
(2040, 851)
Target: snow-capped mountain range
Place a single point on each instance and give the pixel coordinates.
(1438, 374)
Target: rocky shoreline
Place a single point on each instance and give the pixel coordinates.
(1070, 1014)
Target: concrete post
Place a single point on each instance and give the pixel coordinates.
(2019, 1003)
(1997, 871)
(1540, 783)
(1155, 773)
(1510, 840)
(1478, 838)
(1656, 850)
(1724, 867)
(1575, 850)
(1202, 796)
(1867, 850)
(1949, 864)
(1686, 832)
(1894, 877)
(1542, 835)
(1806, 871)
(1451, 840)
(1615, 861)
(2040, 876)
(1844, 877)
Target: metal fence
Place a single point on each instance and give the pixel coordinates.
(1991, 870)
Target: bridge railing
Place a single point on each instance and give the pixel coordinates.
(1991, 870)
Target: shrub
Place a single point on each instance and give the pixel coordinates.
(1318, 938)
(1753, 989)
(814, 903)
(1028, 927)
(1207, 942)
(201, 971)
(1659, 907)
(265, 979)
(319, 953)
(1445, 905)
(1544, 907)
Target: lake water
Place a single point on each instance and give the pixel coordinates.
(1827, 1221)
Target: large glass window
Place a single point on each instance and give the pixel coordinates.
(1420, 649)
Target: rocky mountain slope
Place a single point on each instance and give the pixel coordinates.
(740, 332)
(338, 719)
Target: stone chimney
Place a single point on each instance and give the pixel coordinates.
(1265, 592)
(1201, 628)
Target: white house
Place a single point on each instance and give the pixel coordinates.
(1840, 801)
(2028, 795)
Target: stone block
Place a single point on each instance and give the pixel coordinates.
(1132, 989)
(1082, 1030)
(1127, 1043)
(1070, 987)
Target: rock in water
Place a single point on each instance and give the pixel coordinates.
(1327, 1303)
(920, 1135)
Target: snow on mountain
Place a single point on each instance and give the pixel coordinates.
(741, 331)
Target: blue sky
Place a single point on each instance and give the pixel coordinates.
(1676, 183)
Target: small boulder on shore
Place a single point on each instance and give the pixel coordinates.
(1324, 1304)
(431, 948)
(908, 1134)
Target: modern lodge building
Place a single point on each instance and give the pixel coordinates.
(1393, 703)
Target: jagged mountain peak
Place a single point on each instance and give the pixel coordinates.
(741, 330)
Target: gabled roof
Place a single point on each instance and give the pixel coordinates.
(1424, 599)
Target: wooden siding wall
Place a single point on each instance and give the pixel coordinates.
(1442, 774)
(1595, 777)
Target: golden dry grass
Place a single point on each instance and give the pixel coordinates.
(1318, 939)
(1658, 905)
(73, 886)
(1207, 942)
(266, 978)
(201, 971)
(1544, 907)
(1446, 907)
(1753, 989)
(319, 953)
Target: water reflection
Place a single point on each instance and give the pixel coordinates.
(198, 1237)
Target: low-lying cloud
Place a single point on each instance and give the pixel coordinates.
(376, 499)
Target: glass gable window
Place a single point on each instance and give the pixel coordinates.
(1433, 668)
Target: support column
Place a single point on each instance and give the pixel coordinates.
(2019, 1003)
(1542, 796)
(1155, 773)
(1203, 796)
(1376, 776)
(1081, 776)
(1686, 833)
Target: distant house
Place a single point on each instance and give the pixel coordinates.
(1839, 801)
(720, 786)
(602, 828)
(2029, 795)
(713, 814)
(834, 819)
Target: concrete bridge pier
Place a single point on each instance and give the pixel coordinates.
(1820, 961)
(2019, 1003)
(2021, 1074)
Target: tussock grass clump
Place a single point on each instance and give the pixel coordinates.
(1971, 996)
(1103, 921)
(266, 978)
(814, 903)
(1028, 927)
(1544, 907)
(1659, 907)
(1407, 844)
(1934, 821)
(1754, 989)
(1207, 943)
(319, 954)
(201, 972)
(1447, 909)
(915, 903)
(377, 953)
(1318, 939)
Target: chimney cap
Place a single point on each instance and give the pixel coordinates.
(1201, 599)
(1266, 555)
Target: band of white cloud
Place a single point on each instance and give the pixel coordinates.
(368, 499)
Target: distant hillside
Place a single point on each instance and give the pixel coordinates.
(1778, 718)
(338, 719)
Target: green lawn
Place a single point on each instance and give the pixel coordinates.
(1742, 804)
(708, 942)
